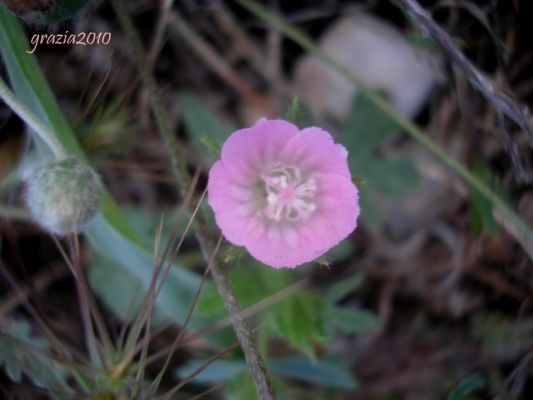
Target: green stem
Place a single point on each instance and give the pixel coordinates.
(206, 237)
(522, 230)
(42, 130)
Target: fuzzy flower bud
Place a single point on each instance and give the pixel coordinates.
(63, 196)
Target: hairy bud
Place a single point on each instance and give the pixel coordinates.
(63, 196)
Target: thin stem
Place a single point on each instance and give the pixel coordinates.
(524, 234)
(90, 339)
(42, 130)
(158, 39)
(205, 236)
(17, 213)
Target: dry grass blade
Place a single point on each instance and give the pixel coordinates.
(206, 392)
(162, 23)
(95, 354)
(504, 102)
(145, 310)
(177, 341)
(212, 58)
(243, 43)
(148, 325)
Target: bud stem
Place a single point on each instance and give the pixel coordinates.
(32, 120)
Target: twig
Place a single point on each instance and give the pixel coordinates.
(504, 102)
(204, 235)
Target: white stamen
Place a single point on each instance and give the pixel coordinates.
(288, 196)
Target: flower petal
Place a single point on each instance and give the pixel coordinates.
(314, 149)
(338, 203)
(231, 207)
(248, 150)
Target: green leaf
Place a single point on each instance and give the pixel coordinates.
(421, 41)
(212, 146)
(502, 336)
(394, 178)
(202, 124)
(121, 292)
(22, 353)
(134, 263)
(364, 132)
(341, 289)
(219, 371)
(265, 283)
(241, 387)
(299, 114)
(370, 211)
(352, 321)
(299, 321)
(365, 129)
(111, 234)
(321, 373)
(233, 253)
(481, 214)
(65, 9)
(467, 386)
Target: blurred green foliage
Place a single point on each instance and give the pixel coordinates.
(500, 336)
(363, 134)
(23, 353)
(64, 9)
(467, 386)
(480, 209)
(205, 128)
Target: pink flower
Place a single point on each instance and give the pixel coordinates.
(285, 195)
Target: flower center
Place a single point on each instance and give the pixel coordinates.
(288, 196)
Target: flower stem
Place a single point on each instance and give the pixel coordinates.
(512, 221)
(206, 237)
(42, 130)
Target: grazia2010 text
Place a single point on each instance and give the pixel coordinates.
(78, 39)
